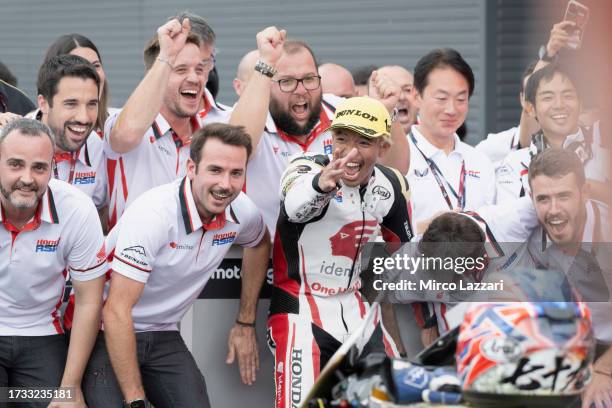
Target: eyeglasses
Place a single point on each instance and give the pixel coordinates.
(209, 63)
(310, 83)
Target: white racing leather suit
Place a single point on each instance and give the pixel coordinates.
(316, 303)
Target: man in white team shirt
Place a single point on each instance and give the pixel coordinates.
(148, 140)
(42, 238)
(445, 173)
(285, 113)
(166, 247)
(68, 104)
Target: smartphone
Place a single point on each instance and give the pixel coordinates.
(578, 14)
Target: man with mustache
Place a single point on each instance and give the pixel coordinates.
(285, 113)
(47, 229)
(147, 142)
(166, 247)
(553, 99)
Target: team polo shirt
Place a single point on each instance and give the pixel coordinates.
(85, 169)
(64, 236)
(160, 158)
(498, 145)
(512, 176)
(271, 157)
(477, 186)
(160, 241)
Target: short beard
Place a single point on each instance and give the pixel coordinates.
(20, 205)
(287, 124)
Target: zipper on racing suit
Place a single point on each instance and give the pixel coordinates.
(362, 204)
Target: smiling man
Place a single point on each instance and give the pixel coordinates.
(68, 103)
(285, 113)
(166, 247)
(445, 173)
(148, 141)
(553, 99)
(331, 205)
(42, 238)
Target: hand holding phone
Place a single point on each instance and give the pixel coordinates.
(578, 14)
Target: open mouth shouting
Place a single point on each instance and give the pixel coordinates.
(300, 110)
(557, 226)
(191, 96)
(351, 171)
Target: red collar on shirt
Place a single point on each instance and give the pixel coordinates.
(30, 226)
(207, 107)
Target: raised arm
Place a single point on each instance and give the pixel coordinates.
(146, 101)
(251, 110)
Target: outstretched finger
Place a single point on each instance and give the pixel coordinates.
(348, 158)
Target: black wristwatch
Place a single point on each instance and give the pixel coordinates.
(543, 54)
(139, 403)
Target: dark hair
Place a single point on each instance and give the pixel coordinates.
(213, 82)
(453, 235)
(151, 50)
(199, 26)
(7, 76)
(528, 71)
(546, 73)
(227, 134)
(56, 68)
(292, 47)
(29, 127)
(361, 75)
(556, 163)
(442, 58)
(64, 45)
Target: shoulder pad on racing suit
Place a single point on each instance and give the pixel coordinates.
(301, 198)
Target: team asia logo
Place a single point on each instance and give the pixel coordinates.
(473, 173)
(327, 146)
(225, 238)
(350, 237)
(46, 245)
(88, 177)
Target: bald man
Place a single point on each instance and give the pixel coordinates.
(407, 111)
(336, 80)
(245, 70)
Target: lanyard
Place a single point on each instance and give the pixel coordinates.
(58, 158)
(439, 177)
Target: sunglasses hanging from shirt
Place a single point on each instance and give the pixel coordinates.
(439, 177)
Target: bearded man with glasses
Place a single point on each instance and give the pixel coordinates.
(285, 112)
